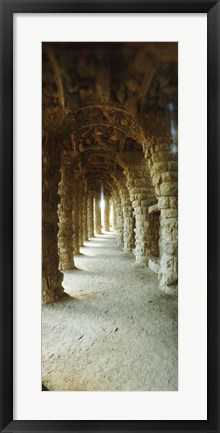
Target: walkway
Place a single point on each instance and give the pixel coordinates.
(116, 331)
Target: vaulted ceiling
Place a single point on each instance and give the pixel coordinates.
(110, 96)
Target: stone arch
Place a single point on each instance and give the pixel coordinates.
(141, 195)
(108, 123)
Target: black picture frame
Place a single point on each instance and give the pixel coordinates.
(8, 8)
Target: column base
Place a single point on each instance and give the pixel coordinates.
(169, 290)
(67, 267)
(51, 296)
(142, 260)
(127, 249)
(154, 264)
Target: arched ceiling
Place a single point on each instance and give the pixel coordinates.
(111, 96)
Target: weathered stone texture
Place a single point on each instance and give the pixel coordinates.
(98, 223)
(119, 217)
(65, 242)
(90, 214)
(80, 211)
(75, 215)
(84, 210)
(128, 235)
(138, 186)
(163, 164)
(107, 214)
(51, 277)
(114, 221)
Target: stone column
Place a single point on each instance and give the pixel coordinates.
(98, 223)
(114, 222)
(65, 242)
(52, 278)
(163, 163)
(84, 206)
(106, 214)
(75, 215)
(80, 212)
(119, 217)
(128, 218)
(138, 190)
(90, 214)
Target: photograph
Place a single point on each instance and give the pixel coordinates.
(109, 225)
(109, 216)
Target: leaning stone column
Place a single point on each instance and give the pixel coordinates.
(75, 214)
(52, 278)
(129, 241)
(114, 222)
(138, 191)
(106, 213)
(84, 206)
(65, 243)
(90, 214)
(119, 217)
(98, 224)
(163, 163)
(81, 223)
(80, 212)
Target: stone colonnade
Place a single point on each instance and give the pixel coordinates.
(145, 202)
(146, 207)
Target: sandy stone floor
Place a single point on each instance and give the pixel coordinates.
(113, 330)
